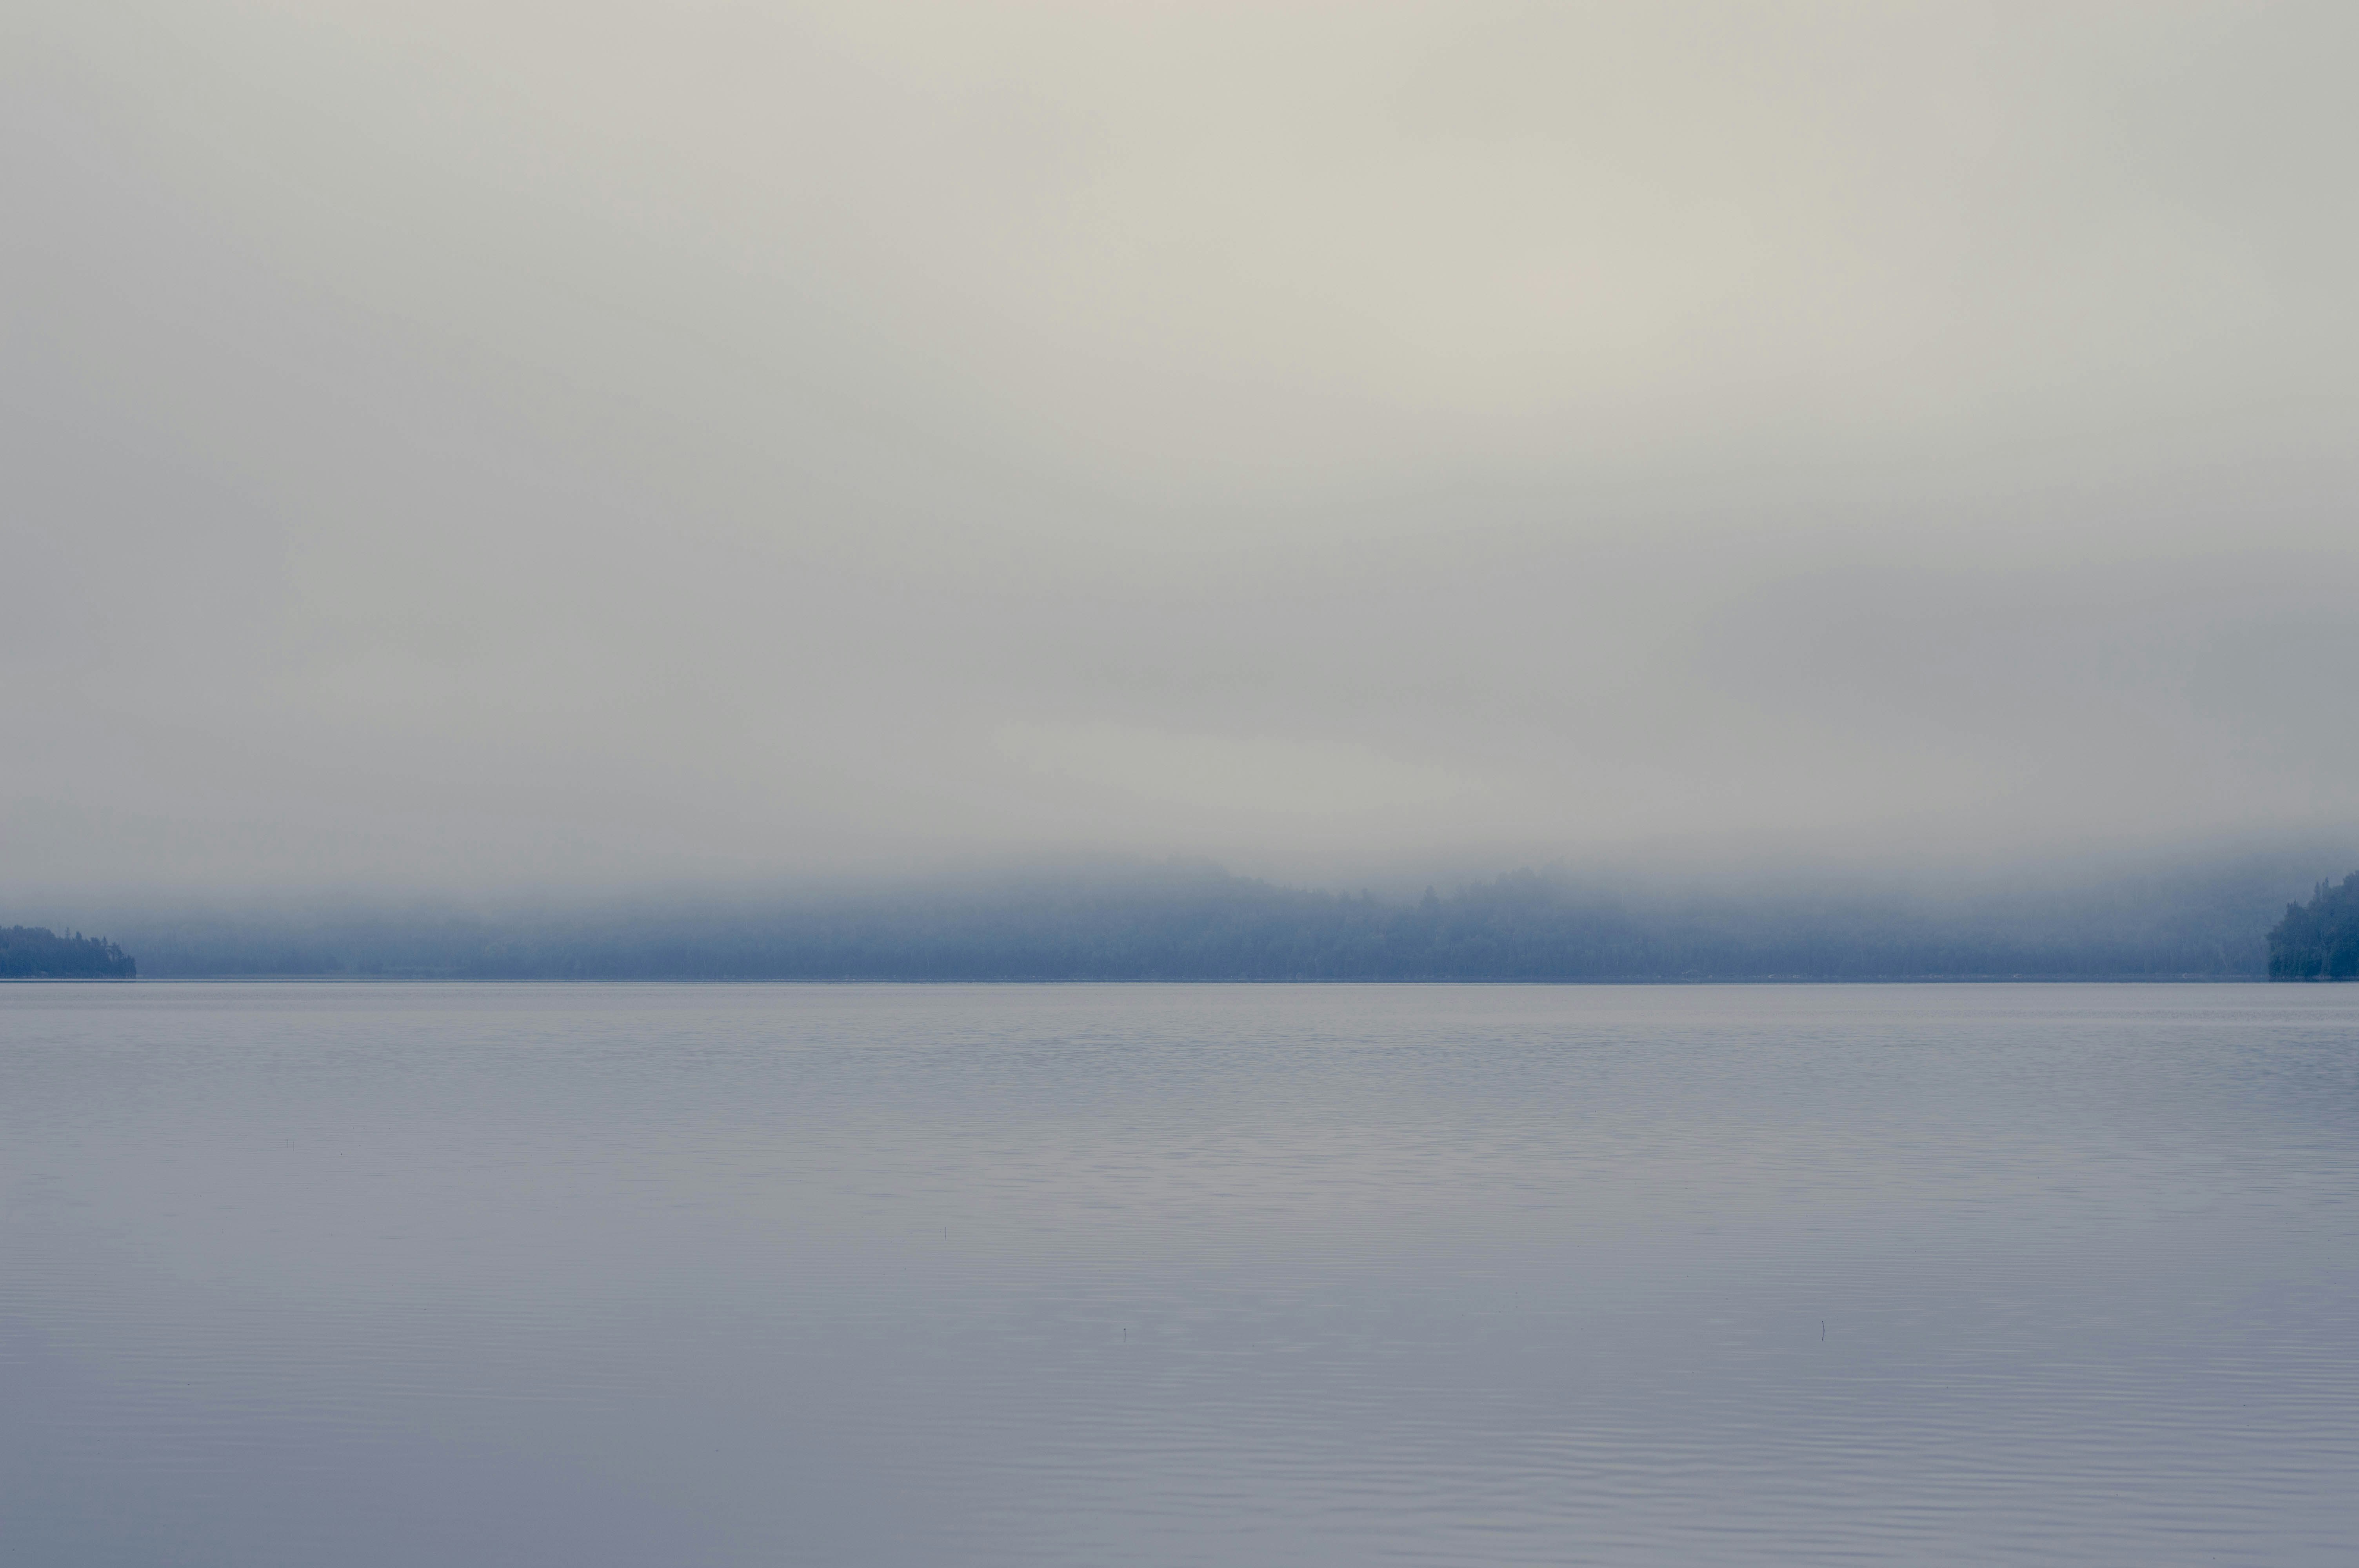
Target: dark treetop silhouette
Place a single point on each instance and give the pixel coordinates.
(36, 953)
(2319, 940)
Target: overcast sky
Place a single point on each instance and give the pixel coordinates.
(470, 442)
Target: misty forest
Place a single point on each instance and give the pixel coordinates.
(2319, 940)
(35, 953)
(1196, 921)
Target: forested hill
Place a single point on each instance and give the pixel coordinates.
(36, 953)
(1203, 925)
(2319, 941)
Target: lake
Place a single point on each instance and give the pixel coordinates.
(1048, 1275)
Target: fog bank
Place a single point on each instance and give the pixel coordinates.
(475, 447)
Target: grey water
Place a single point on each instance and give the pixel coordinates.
(588, 1275)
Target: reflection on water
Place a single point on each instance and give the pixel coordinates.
(1256, 1275)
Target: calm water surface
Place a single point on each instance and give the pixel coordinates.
(593, 1275)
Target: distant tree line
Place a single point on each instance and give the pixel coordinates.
(1203, 925)
(2319, 940)
(36, 953)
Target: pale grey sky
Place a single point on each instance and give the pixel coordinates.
(468, 443)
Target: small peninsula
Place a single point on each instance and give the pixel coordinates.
(36, 953)
(2319, 940)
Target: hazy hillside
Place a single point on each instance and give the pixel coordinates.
(1196, 923)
